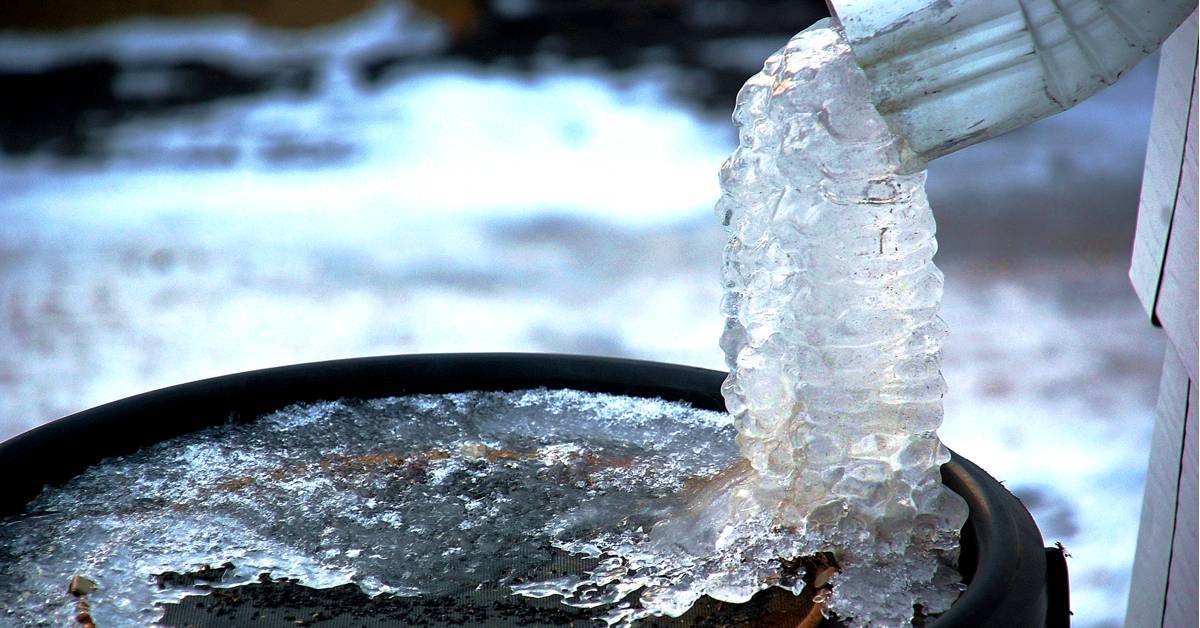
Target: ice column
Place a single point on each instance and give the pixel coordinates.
(832, 333)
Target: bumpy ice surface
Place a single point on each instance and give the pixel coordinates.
(832, 333)
(420, 495)
(833, 342)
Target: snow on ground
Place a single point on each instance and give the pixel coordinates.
(460, 209)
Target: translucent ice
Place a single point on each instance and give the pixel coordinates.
(833, 343)
(832, 336)
(423, 495)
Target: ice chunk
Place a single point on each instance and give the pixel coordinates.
(838, 409)
(833, 344)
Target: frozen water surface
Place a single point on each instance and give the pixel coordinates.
(418, 495)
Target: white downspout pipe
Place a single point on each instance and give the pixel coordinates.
(946, 74)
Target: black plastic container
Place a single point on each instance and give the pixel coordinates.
(1013, 581)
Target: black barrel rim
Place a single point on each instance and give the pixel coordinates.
(1003, 560)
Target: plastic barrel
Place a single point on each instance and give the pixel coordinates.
(1012, 580)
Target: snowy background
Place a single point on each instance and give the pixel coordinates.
(242, 196)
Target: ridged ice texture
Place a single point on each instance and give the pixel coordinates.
(832, 339)
(832, 334)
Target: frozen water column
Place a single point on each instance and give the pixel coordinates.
(946, 74)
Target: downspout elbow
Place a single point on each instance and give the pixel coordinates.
(946, 74)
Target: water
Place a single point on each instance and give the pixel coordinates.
(423, 495)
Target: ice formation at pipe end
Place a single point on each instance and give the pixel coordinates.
(832, 335)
